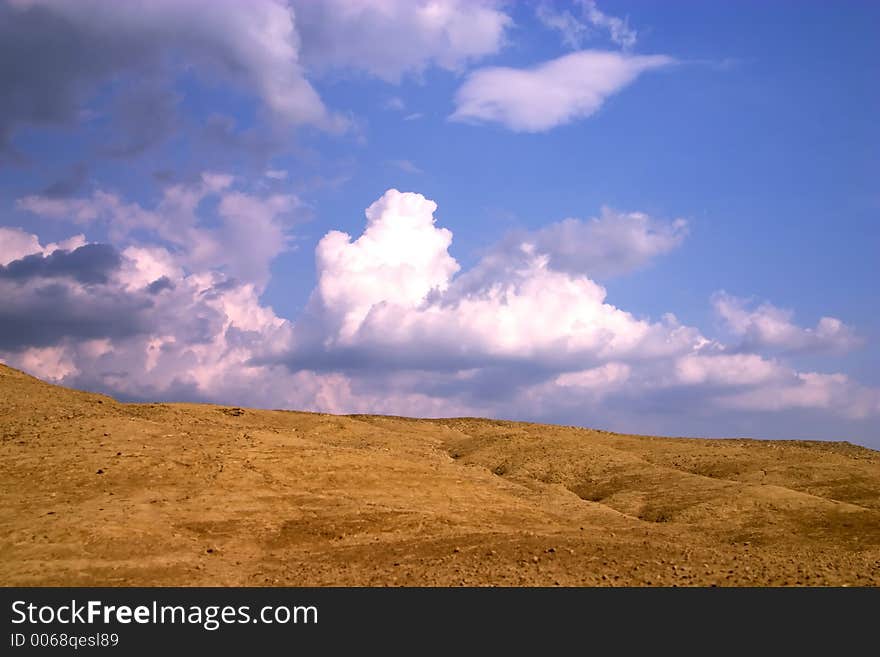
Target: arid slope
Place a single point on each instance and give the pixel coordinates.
(95, 492)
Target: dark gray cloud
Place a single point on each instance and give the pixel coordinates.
(77, 295)
(221, 286)
(143, 115)
(67, 294)
(162, 283)
(69, 184)
(226, 144)
(40, 314)
(89, 264)
(55, 55)
(47, 65)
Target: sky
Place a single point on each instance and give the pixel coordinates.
(648, 217)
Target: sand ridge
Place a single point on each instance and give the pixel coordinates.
(96, 492)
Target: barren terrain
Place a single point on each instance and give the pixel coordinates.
(96, 492)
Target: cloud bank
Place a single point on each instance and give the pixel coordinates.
(393, 325)
(270, 49)
(72, 46)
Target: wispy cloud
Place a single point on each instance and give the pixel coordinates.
(576, 28)
(405, 165)
(395, 104)
(552, 93)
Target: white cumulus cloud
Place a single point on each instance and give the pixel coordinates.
(611, 244)
(399, 259)
(767, 326)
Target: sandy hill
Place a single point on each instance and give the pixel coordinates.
(95, 492)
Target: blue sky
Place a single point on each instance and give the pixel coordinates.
(596, 167)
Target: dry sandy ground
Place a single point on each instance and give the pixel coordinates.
(95, 492)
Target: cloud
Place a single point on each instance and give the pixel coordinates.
(144, 115)
(269, 49)
(178, 316)
(407, 166)
(810, 390)
(88, 264)
(66, 295)
(399, 259)
(574, 30)
(139, 325)
(618, 29)
(769, 327)
(391, 38)
(73, 46)
(611, 244)
(160, 284)
(602, 380)
(51, 363)
(45, 314)
(391, 296)
(220, 140)
(155, 330)
(244, 234)
(16, 243)
(68, 184)
(395, 104)
(393, 325)
(726, 369)
(526, 334)
(551, 94)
